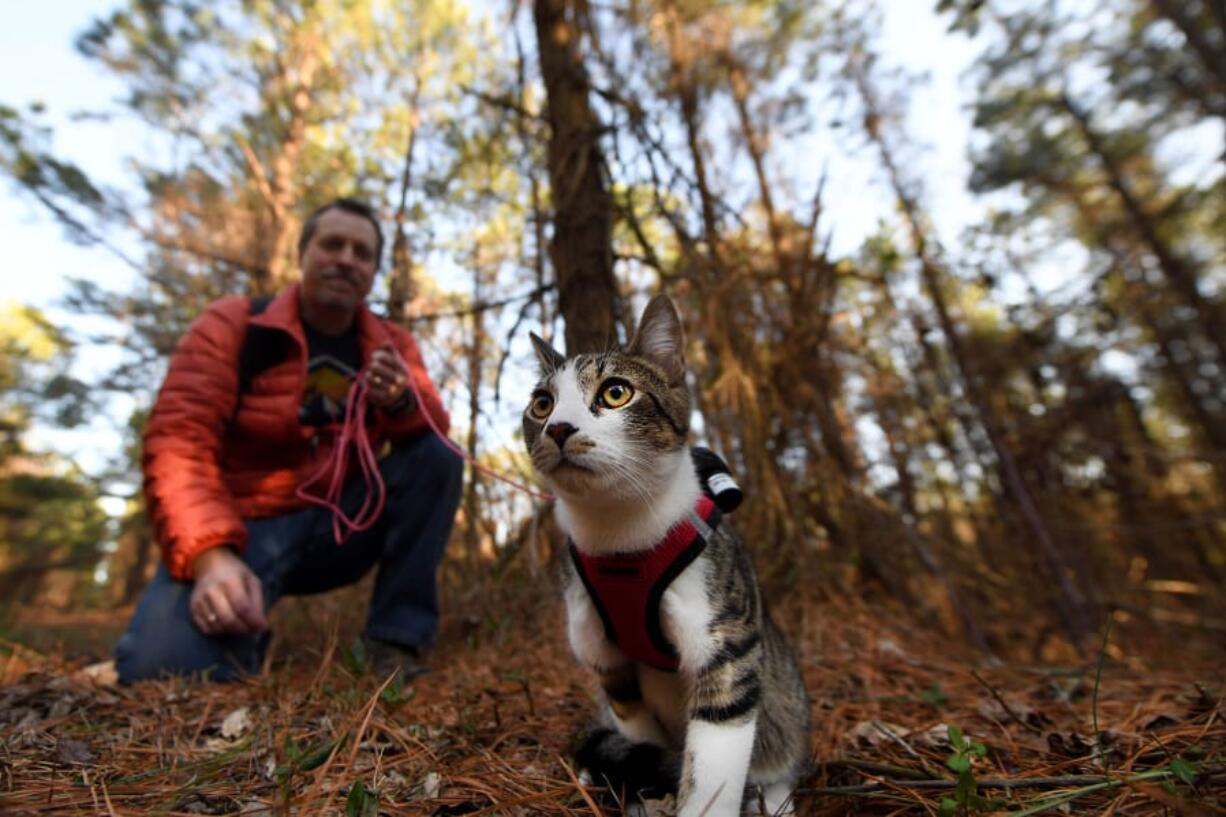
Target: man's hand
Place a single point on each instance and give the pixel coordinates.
(387, 379)
(227, 598)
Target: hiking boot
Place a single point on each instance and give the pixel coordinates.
(386, 658)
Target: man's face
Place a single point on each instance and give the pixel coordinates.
(338, 263)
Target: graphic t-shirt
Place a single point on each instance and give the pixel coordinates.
(331, 361)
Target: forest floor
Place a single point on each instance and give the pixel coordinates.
(898, 710)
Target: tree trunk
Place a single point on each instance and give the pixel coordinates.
(686, 93)
(285, 188)
(134, 579)
(581, 247)
(472, 500)
(400, 273)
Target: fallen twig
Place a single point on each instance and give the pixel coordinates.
(1087, 781)
(1004, 705)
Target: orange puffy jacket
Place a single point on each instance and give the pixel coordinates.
(213, 457)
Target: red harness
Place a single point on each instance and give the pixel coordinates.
(626, 589)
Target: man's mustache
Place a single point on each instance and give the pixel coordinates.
(344, 275)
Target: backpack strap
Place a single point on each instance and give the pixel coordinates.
(262, 347)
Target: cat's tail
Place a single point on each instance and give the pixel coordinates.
(628, 768)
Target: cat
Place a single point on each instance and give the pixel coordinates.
(701, 690)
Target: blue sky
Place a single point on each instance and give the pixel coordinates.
(41, 65)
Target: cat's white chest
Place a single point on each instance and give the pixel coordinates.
(685, 619)
(685, 616)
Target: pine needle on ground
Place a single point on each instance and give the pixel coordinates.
(490, 731)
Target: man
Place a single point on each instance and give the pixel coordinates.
(248, 413)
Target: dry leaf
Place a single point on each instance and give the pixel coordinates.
(102, 674)
(875, 732)
(888, 646)
(394, 778)
(236, 723)
(430, 785)
(29, 722)
(1162, 720)
(75, 753)
(1070, 744)
(994, 710)
(62, 707)
(217, 745)
(934, 737)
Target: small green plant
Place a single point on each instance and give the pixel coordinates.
(302, 760)
(362, 802)
(966, 799)
(934, 696)
(1185, 771)
(355, 658)
(395, 694)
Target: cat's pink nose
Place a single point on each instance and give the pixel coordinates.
(560, 432)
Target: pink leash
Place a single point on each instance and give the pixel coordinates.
(421, 405)
(353, 433)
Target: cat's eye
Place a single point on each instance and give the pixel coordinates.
(541, 405)
(616, 393)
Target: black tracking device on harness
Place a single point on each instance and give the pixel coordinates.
(716, 478)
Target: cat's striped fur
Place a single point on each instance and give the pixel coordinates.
(735, 712)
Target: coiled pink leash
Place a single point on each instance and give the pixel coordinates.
(352, 433)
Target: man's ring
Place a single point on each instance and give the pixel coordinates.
(211, 618)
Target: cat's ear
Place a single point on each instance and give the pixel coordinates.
(661, 339)
(549, 357)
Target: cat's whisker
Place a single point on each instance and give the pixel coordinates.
(628, 477)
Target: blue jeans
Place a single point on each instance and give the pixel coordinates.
(295, 554)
